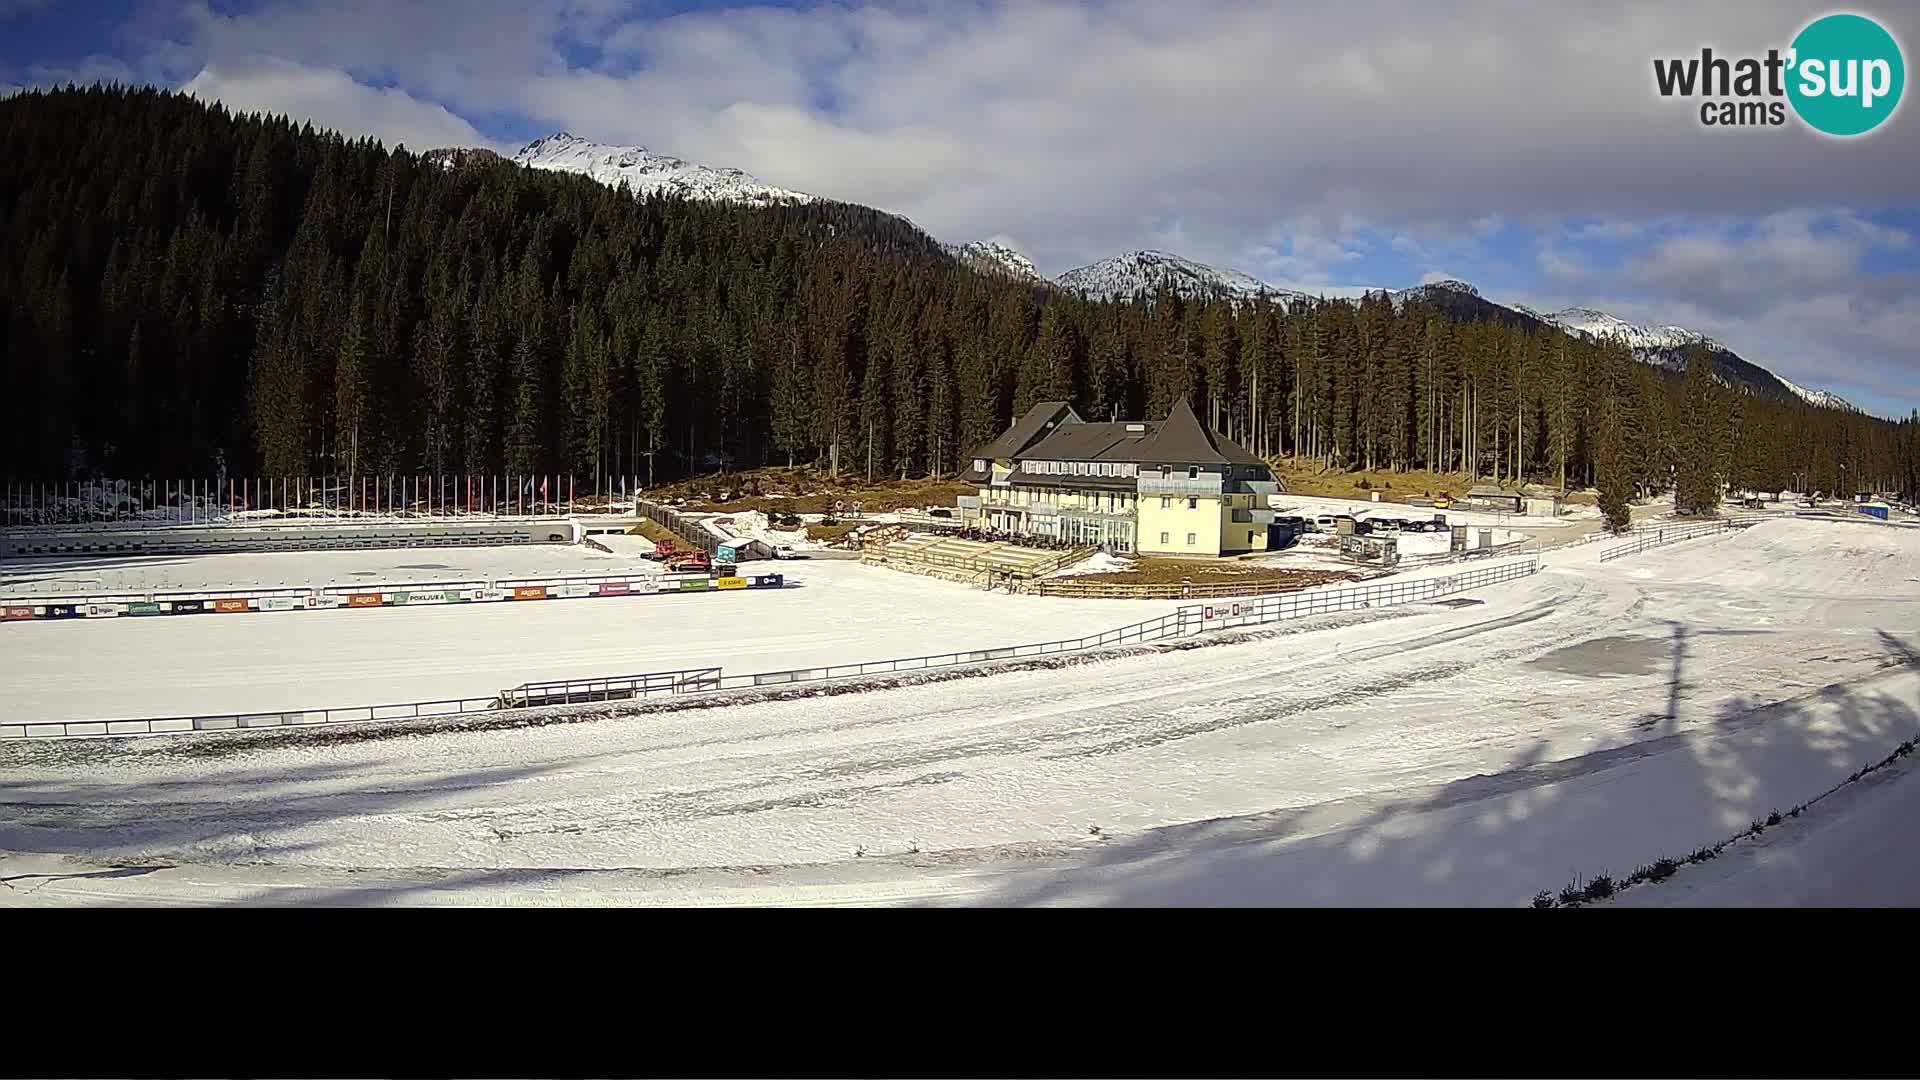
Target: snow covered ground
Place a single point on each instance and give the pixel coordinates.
(1315, 505)
(1591, 717)
(830, 612)
(1853, 849)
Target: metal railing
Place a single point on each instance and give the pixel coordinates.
(610, 688)
(1178, 485)
(1658, 536)
(1185, 621)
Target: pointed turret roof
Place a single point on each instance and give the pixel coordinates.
(1182, 438)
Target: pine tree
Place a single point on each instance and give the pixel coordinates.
(1697, 484)
(1614, 473)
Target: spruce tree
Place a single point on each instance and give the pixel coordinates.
(1697, 483)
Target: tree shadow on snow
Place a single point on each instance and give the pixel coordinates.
(1533, 825)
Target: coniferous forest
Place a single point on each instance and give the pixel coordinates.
(179, 282)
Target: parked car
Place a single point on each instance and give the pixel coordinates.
(1323, 523)
(785, 551)
(940, 511)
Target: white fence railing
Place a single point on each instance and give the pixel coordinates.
(1671, 534)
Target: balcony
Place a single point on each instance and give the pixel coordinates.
(1179, 484)
(968, 502)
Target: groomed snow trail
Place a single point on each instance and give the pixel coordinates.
(1591, 717)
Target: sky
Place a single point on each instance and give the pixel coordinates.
(1519, 146)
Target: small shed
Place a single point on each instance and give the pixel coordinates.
(1493, 497)
(1543, 505)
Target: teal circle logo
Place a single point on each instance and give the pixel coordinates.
(1846, 74)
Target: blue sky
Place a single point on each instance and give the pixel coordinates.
(1373, 143)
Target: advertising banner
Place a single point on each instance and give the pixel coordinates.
(530, 592)
(19, 613)
(229, 605)
(280, 603)
(103, 611)
(364, 599)
(185, 607)
(143, 609)
(730, 583)
(575, 589)
(613, 588)
(694, 585)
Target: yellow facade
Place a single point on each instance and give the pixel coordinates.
(1176, 525)
(1200, 525)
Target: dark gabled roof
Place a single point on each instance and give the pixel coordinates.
(1183, 439)
(1052, 431)
(1027, 430)
(1093, 442)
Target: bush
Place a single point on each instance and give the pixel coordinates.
(1543, 899)
(1571, 893)
(1599, 888)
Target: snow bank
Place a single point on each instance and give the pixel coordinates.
(1100, 562)
(754, 525)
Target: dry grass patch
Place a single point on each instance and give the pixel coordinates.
(1304, 476)
(1150, 571)
(831, 534)
(657, 533)
(805, 490)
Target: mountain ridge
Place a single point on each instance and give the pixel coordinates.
(1143, 271)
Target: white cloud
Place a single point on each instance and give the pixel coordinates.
(332, 99)
(1556, 265)
(1068, 125)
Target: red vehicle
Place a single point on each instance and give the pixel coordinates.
(688, 562)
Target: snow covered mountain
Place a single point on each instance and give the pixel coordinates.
(1599, 324)
(1445, 289)
(1123, 276)
(1825, 399)
(1667, 347)
(993, 257)
(646, 172)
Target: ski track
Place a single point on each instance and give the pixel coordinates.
(1769, 659)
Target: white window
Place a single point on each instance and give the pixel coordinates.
(1163, 538)
(1191, 540)
(1193, 504)
(979, 465)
